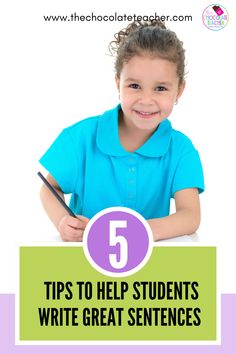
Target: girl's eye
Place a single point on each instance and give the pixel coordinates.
(161, 88)
(134, 86)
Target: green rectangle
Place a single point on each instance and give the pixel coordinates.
(145, 315)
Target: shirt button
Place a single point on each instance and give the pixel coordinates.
(131, 181)
(130, 195)
(132, 169)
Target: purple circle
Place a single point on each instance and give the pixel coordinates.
(135, 233)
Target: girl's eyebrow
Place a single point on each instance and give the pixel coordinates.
(131, 79)
(164, 83)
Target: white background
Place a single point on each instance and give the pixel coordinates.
(54, 74)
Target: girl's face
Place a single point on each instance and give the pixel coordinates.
(148, 88)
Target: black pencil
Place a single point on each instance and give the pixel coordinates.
(54, 192)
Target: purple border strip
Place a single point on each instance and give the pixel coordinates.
(7, 336)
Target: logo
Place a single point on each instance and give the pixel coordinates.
(215, 17)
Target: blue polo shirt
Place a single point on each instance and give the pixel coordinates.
(88, 161)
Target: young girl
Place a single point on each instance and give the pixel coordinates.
(130, 155)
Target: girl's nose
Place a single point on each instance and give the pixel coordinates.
(146, 98)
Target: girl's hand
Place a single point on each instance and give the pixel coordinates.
(72, 229)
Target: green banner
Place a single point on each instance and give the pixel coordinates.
(62, 297)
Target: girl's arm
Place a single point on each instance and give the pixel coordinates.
(184, 221)
(70, 228)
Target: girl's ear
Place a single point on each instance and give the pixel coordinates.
(181, 90)
(117, 79)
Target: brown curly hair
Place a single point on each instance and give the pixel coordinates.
(150, 37)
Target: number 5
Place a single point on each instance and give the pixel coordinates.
(118, 239)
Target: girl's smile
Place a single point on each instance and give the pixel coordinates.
(146, 115)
